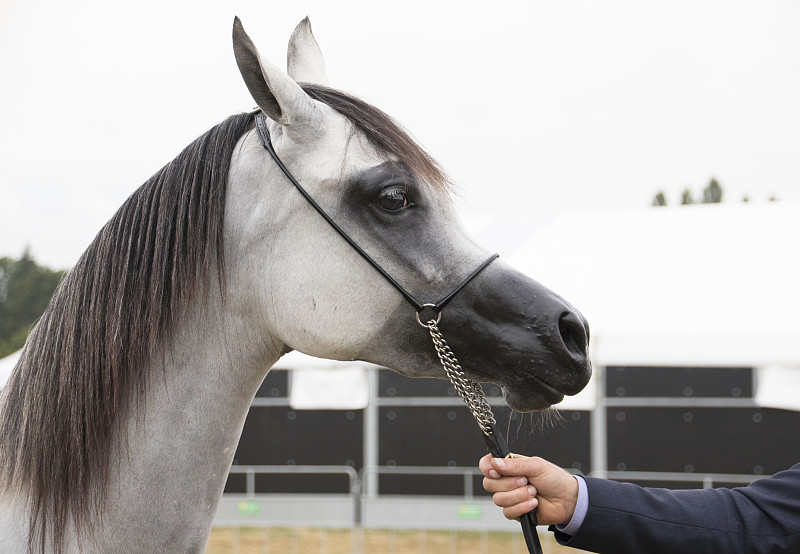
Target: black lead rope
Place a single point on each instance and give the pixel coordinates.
(470, 391)
(499, 449)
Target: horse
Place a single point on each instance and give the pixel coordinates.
(120, 421)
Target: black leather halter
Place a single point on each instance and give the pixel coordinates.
(494, 438)
(437, 307)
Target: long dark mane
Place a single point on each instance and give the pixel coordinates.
(81, 368)
(66, 406)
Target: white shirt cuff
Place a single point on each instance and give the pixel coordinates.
(581, 507)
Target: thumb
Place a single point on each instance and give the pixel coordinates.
(511, 466)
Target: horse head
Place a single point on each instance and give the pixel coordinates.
(319, 296)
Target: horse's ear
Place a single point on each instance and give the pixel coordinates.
(304, 59)
(278, 96)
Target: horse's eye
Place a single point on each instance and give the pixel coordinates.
(394, 198)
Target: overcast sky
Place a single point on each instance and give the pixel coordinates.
(534, 107)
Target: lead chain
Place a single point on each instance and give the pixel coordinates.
(469, 390)
(471, 393)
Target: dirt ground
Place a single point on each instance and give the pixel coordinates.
(228, 540)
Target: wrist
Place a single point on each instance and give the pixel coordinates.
(577, 506)
(572, 497)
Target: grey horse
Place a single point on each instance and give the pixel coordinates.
(120, 421)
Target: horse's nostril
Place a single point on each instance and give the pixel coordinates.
(573, 332)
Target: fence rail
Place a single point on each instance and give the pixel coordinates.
(365, 507)
(250, 472)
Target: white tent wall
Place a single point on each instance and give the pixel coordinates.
(7, 366)
(319, 384)
(699, 285)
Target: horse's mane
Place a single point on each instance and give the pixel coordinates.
(81, 371)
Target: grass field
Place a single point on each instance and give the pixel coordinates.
(233, 540)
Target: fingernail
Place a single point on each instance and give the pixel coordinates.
(499, 462)
(493, 474)
(531, 491)
(522, 481)
(532, 502)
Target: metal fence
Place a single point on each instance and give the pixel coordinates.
(363, 507)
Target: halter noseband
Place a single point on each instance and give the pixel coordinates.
(263, 133)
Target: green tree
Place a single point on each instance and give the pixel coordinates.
(660, 199)
(686, 197)
(712, 194)
(25, 291)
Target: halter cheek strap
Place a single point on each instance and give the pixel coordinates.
(263, 133)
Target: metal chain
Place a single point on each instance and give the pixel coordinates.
(471, 393)
(469, 390)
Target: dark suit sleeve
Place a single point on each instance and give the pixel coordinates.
(625, 518)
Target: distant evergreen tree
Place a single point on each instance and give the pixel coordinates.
(686, 197)
(712, 194)
(25, 291)
(659, 199)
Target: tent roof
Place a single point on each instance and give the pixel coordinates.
(687, 285)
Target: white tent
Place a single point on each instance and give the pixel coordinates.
(320, 384)
(7, 366)
(315, 383)
(701, 285)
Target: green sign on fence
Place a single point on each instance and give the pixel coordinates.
(248, 507)
(469, 511)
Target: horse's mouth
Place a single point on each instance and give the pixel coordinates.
(531, 394)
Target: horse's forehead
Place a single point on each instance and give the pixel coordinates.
(339, 150)
(361, 156)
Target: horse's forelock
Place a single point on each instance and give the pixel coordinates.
(384, 133)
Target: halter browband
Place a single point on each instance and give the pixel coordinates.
(263, 133)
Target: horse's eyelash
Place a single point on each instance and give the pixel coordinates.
(402, 187)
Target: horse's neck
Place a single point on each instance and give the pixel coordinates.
(165, 487)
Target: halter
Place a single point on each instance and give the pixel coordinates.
(469, 389)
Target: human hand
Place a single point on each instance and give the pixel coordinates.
(521, 484)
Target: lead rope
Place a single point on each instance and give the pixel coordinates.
(472, 394)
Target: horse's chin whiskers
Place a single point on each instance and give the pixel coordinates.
(547, 419)
(541, 422)
(536, 422)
